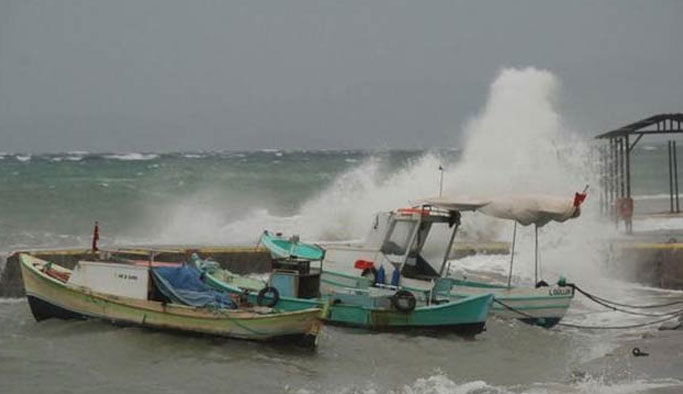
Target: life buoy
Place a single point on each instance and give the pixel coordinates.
(403, 301)
(625, 207)
(272, 294)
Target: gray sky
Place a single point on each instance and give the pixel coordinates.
(173, 75)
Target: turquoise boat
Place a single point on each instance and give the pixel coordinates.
(294, 285)
(396, 241)
(290, 248)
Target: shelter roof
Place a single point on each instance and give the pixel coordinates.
(665, 124)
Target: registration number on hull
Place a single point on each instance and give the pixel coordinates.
(560, 291)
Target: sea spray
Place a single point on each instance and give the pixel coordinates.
(517, 144)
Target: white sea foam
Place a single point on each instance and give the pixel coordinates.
(442, 384)
(132, 156)
(658, 224)
(12, 300)
(23, 158)
(193, 156)
(661, 196)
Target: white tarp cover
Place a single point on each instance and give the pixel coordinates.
(525, 209)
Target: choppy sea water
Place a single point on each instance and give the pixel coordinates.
(229, 198)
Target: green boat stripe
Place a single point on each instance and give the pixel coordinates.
(498, 307)
(462, 295)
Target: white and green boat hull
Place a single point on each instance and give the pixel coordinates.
(544, 306)
(51, 298)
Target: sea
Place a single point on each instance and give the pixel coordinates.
(518, 143)
(229, 198)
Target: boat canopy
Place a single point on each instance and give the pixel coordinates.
(537, 209)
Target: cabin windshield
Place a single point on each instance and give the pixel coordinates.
(429, 246)
(399, 237)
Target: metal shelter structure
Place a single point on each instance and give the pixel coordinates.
(616, 163)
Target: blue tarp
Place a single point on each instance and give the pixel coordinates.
(183, 285)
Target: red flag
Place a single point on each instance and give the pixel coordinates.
(580, 197)
(95, 237)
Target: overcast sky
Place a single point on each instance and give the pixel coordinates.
(173, 75)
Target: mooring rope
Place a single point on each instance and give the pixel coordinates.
(608, 304)
(595, 297)
(508, 307)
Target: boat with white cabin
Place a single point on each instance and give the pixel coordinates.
(393, 254)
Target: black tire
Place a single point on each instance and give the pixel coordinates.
(404, 301)
(273, 297)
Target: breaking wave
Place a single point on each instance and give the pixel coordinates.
(132, 156)
(516, 144)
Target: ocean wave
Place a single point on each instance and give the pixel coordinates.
(661, 196)
(441, 384)
(132, 156)
(193, 156)
(16, 300)
(23, 158)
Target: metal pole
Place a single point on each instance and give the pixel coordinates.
(536, 254)
(622, 191)
(613, 177)
(627, 151)
(441, 180)
(671, 180)
(627, 154)
(603, 178)
(413, 236)
(678, 209)
(512, 252)
(448, 249)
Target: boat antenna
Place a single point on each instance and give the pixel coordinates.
(441, 170)
(536, 253)
(512, 251)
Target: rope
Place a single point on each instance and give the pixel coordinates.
(508, 307)
(589, 295)
(601, 301)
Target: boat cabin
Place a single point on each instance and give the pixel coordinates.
(295, 278)
(397, 239)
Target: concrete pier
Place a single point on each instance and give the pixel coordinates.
(240, 260)
(652, 259)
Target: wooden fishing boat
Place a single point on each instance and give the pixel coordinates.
(122, 296)
(295, 285)
(396, 241)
